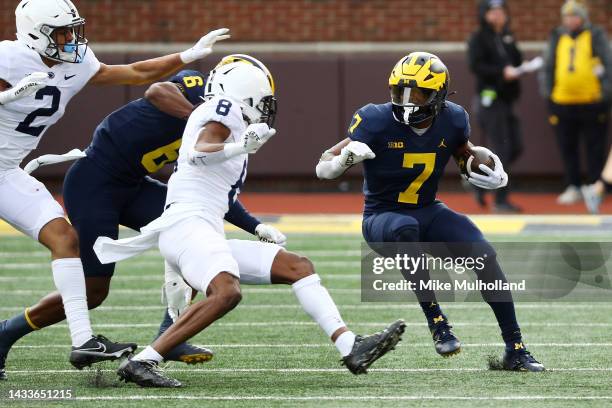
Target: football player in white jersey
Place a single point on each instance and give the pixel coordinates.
(234, 121)
(39, 73)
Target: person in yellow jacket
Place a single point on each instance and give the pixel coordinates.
(577, 81)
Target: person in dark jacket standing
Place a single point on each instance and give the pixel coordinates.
(577, 81)
(494, 58)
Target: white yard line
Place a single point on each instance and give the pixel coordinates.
(363, 306)
(303, 370)
(325, 345)
(348, 398)
(356, 323)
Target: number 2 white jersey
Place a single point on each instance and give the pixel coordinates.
(24, 121)
(210, 187)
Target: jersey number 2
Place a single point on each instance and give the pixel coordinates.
(26, 126)
(410, 195)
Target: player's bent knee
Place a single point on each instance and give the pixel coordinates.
(301, 268)
(230, 298)
(61, 238)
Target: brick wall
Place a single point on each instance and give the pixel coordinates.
(305, 20)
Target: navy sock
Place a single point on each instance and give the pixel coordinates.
(166, 322)
(432, 312)
(13, 329)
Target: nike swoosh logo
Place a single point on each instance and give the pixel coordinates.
(67, 77)
(101, 348)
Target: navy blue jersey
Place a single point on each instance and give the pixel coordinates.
(138, 139)
(407, 167)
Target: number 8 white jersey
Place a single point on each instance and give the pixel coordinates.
(24, 121)
(210, 187)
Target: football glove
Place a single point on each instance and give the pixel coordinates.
(255, 136)
(26, 87)
(353, 153)
(267, 233)
(204, 46)
(493, 178)
(176, 294)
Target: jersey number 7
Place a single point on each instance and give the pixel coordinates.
(26, 126)
(410, 195)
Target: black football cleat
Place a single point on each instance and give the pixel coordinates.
(146, 374)
(189, 354)
(519, 359)
(2, 366)
(97, 349)
(445, 341)
(368, 349)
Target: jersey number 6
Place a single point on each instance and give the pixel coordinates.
(410, 195)
(25, 126)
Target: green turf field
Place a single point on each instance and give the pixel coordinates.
(269, 354)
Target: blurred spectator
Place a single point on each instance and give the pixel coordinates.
(493, 57)
(576, 79)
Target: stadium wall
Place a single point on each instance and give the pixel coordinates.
(305, 20)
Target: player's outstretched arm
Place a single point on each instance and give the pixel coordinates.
(336, 160)
(167, 97)
(145, 72)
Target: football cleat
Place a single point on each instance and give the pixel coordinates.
(519, 359)
(445, 341)
(146, 373)
(368, 349)
(97, 349)
(189, 354)
(2, 365)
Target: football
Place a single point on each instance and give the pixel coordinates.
(470, 160)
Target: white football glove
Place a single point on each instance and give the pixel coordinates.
(267, 233)
(255, 136)
(176, 294)
(355, 152)
(493, 178)
(26, 87)
(204, 46)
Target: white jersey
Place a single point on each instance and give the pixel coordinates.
(210, 187)
(24, 121)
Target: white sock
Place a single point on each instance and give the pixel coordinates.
(344, 343)
(315, 301)
(70, 282)
(149, 354)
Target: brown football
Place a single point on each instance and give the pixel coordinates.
(473, 158)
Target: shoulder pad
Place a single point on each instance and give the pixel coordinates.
(375, 117)
(457, 114)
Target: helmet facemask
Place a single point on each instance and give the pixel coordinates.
(414, 105)
(62, 50)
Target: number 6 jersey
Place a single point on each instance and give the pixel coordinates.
(138, 139)
(24, 121)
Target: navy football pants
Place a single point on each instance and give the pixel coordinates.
(98, 202)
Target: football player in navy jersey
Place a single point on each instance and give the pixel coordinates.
(404, 146)
(112, 187)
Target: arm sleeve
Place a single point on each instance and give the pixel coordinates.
(546, 76)
(192, 85)
(601, 48)
(240, 217)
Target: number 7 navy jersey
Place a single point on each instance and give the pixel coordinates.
(24, 121)
(407, 167)
(139, 139)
